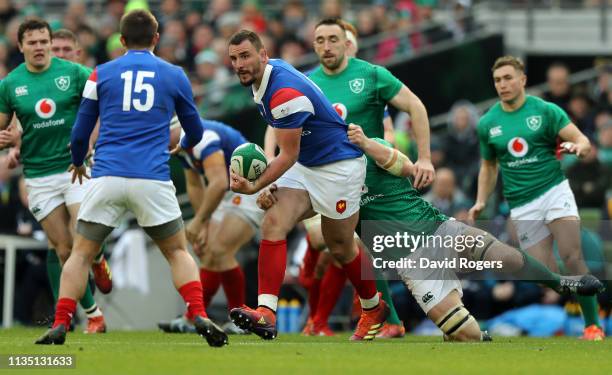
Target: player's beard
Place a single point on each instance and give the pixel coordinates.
(254, 73)
(334, 64)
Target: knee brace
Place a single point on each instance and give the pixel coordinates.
(477, 252)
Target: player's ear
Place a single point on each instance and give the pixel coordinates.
(155, 39)
(122, 40)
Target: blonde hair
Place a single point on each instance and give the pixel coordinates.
(509, 60)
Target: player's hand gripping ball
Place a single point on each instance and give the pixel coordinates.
(249, 161)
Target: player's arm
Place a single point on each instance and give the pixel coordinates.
(487, 179)
(389, 130)
(387, 158)
(575, 142)
(289, 145)
(6, 114)
(85, 122)
(405, 100)
(216, 176)
(195, 188)
(270, 143)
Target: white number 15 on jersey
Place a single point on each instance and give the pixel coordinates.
(139, 87)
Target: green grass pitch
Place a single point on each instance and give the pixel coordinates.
(174, 354)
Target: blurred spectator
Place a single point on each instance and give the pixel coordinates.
(579, 110)
(291, 50)
(434, 31)
(445, 196)
(460, 144)
(252, 18)
(212, 78)
(175, 32)
(294, 18)
(331, 9)
(201, 39)
(557, 79)
(7, 12)
(114, 48)
(169, 10)
(602, 88)
(462, 21)
(216, 9)
(228, 24)
(589, 180)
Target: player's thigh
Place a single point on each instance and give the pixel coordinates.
(315, 234)
(339, 233)
(566, 233)
(279, 219)
(171, 244)
(55, 225)
(73, 212)
(543, 251)
(231, 234)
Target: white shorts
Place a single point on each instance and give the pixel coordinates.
(241, 205)
(531, 219)
(47, 193)
(430, 286)
(153, 202)
(334, 189)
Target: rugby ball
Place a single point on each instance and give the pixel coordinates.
(249, 161)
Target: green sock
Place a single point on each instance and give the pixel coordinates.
(87, 302)
(383, 287)
(54, 271)
(101, 253)
(534, 270)
(590, 310)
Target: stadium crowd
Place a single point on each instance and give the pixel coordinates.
(196, 39)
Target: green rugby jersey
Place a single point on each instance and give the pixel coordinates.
(392, 198)
(359, 93)
(524, 143)
(46, 104)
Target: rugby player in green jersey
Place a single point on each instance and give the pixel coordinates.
(519, 135)
(45, 93)
(391, 197)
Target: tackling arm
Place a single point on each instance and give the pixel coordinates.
(407, 101)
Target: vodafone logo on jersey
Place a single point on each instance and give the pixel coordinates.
(45, 108)
(518, 147)
(341, 109)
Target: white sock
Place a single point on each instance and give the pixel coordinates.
(268, 300)
(94, 312)
(370, 303)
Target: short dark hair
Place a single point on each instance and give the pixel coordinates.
(64, 34)
(32, 23)
(332, 21)
(249, 35)
(509, 60)
(138, 28)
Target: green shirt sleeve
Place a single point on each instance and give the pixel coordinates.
(386, 84)
(487, 151)
(5, 105)
(557, 118)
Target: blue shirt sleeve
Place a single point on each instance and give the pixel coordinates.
(82, 129)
